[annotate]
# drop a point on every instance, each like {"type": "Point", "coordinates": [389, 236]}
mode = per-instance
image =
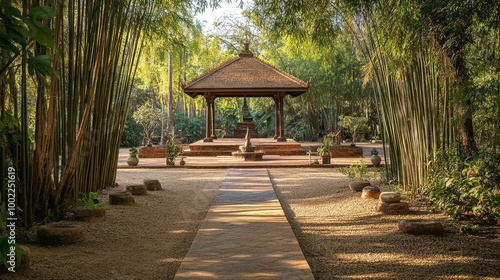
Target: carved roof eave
{"type": "Point", "coordinates": [245, 92]}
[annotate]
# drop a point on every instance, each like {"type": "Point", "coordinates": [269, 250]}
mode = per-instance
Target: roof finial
{"type": "Point", "coordinates": [246, 52]}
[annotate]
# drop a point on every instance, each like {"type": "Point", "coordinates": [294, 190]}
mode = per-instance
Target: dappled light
{"type": "Point", "coordinates": [294, 140]}
{"type": "Point", "coordinates": [343, 237]}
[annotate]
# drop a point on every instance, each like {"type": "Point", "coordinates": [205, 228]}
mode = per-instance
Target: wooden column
{"type": "Point", "coordinates": [281, 97]}
{"type": "Point", "coordinates": [209, 98]}
{"type": "Point", "coordinates": [276, 117]}
{"type": "Point", "coordinates": [213, 136]}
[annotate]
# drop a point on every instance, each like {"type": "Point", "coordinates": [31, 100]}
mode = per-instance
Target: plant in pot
{"type": "Point", "coordinates": [325, 151]}
{"type": "Point", "coordinates": [375, 158]}
{"type": "Point", "coordinates": [172, 150]}
{"type": "Point", "coordinates": [133, 160]}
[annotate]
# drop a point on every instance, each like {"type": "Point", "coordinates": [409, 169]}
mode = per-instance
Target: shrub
{"type": "Point", "coordinates": [356, 170]}
{"type": "Point", "coordinates": [465, 189]}
{"type": "Point", "coordinates": [89, 201]}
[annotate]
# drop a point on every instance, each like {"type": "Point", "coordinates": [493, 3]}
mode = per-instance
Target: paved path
{"type": "Point", "coordinates": [245, 235]}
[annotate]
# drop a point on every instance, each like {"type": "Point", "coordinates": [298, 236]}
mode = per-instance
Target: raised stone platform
{"type": "Point", "coordinates": [226, 146]}
{"type": "Point", "coordinates": [248, 156]}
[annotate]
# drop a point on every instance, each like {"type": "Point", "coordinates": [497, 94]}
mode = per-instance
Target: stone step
{"type": "Point", "coordinates": [226, 146]}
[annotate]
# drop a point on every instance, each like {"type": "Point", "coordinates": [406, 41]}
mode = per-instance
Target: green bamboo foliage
{"type": "Point", "coordinates": [412, 98]}
{"type": "Point", "coordinates": [80, 123]}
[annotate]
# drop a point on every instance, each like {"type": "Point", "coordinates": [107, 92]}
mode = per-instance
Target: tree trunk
{"type": "Point", "coordinates": [170, 101]}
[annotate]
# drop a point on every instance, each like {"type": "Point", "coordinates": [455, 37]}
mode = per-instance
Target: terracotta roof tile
{"type": "Point", "coordinates": [245, 72]}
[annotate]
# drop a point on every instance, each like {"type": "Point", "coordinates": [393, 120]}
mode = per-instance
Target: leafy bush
{"type": "Point", "coordinates": [465, 189]}
{"type": "Point", "coordinates": [132, 133]}
{"type": "Point", "coordinates": [89, 201]}
{"type": "Point", "coordinates": [191, 129]}
{"type": "Point", "coordinates": [356, 171]}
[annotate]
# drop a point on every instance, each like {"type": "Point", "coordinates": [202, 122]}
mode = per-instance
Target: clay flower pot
{"type": "Point", "coordinates": [132, 161]}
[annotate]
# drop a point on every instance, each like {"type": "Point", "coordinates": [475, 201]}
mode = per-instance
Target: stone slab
{"type": "Point", "coordinates": [396, 208]}
{"type": "Point", "coordinates": [370, 192]}
{"type": "Point", "coordinates": [390, 197]}
{"type": "Point", "coordinates": [357, 186]}
{"type": "Point", "coordinates": [423, 227]}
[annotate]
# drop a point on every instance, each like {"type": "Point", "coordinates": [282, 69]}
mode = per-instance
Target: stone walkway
{"type": "Point", "coordinates": [245, 235]}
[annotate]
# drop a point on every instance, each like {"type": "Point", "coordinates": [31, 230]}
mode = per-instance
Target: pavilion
{"type": "Point", "coordinates": [245, 76]}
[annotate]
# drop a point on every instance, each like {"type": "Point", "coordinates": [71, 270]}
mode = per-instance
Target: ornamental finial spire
{"type": "Point", "coordinates": [246, 52]}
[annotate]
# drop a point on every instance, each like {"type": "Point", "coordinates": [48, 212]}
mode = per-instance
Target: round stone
{"type": "Point", "coordinates": [370, 192]}
{"type": "Point", "coordinates": [421, 227]}
{"type": "Point", "coordinates": [397, 208]}
{"type": "Point", "coordinates": [137, 189]}
{"type": "Point", "coordinates": [390, 197]}
{"type": "Point", "coordinates": [85, 214]}
{"type": "Point", "coordinates": [121, 198]}
{"type": "Point", "coordinates": [357, 186]}
{"type": "Point", "coordinates": [152, 185]}
{"type": "Point", "coordinates": [60, 234]}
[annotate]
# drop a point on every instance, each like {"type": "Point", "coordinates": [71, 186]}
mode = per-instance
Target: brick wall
{"type": "Point", "coordinates": [346, 152]}
{"type": "Point", "coordinates": [152, 152]}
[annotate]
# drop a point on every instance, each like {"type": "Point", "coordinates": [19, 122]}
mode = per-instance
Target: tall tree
{"type": "Point", "coordinates": [170, 100]}
{"type": "Point", "coordinates": [451, 25]}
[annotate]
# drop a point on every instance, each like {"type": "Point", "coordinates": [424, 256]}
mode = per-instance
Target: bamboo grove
{"type": "Point", "coordinates": [74, 72]}
{"type": "Point", "coordinates": [420, 59]}
{"type": "Point", "coordinates": [76, 82]}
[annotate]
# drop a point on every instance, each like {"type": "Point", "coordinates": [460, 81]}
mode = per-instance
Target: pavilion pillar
{"type": "Point", "coordinates": [276, 117]}
{"type": "Point", "coordinates": [209, 98]}
{"type": "Point", "coordinates": [281, 97]}
{"type": "Point", "coordinates": [213, 136]}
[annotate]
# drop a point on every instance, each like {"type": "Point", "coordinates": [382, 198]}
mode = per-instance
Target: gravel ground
{"type": "Point", "coordinates": [341, 235]}
{"type": "Point", "coordinates": [146, 241]}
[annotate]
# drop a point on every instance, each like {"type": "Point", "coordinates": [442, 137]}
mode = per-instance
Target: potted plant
{"type": "Point", "coordinates": [133, 160]}
{"type": "Point", "coordinates": [375, 158]}
{"type": "Point", "coordinates": [325, 151]}
{"type": "Point", "coordinates": [172, 150]}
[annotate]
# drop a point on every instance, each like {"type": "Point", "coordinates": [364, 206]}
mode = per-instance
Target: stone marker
{"type": "Point", "coordinates": [55, 234]}
{"type": "Point", "coordinates": [370, 192]}
{"type": "Point", "coordinates": [121, 198]}
{"type": "Point", "coordinates": [390, 197]}
{"type": "Point", "coordinates": [83, 213]}
{"type": "Point", "coordinates": [396, 208]}
{"type": "Point", "coordinates": [152, 185]}
{"type": "Point", "coordinates": [25, 257]}
{"type": "Point", "coordinates": [139, 189]}
{"type": "Point", "coordinates": [357, 186]}
{"type": "Point", "coordinates": [421, 227]}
